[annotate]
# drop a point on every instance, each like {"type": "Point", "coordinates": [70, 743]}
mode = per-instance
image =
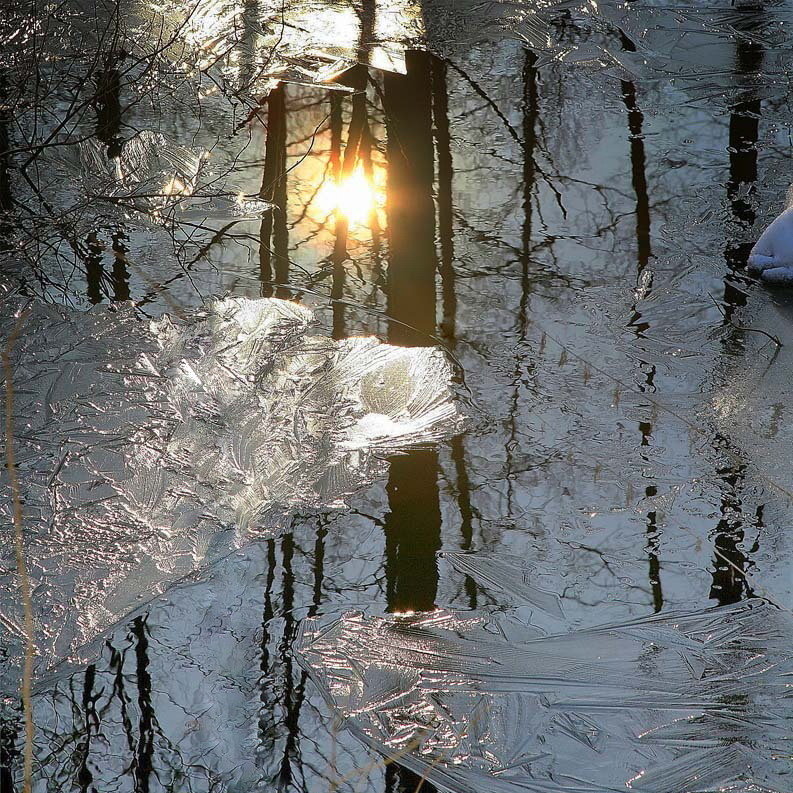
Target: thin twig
{"type": "Point", "coordinates": [773, 338]}
{"type": "Point", "coordinates": [382, 761]}
{"type": "Point", "coordinates": [22, 572]}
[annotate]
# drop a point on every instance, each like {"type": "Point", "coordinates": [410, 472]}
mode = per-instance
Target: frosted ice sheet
{"type": "Point", "coordinates": [150, 177]}
{"type": "Point", "coordinates": [314, 41]}
{"type": "Point", "coordinates": [145, 451]}
{"type": "Point", "coordinates": [683, 702]}
{"type": "Point", "coordinates": [505, 575]}
{"type": "Point", "coordinates": [248, 47]}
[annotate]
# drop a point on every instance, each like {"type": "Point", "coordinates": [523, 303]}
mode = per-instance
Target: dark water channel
{"type": "Point", "coordinates": [564, 201]}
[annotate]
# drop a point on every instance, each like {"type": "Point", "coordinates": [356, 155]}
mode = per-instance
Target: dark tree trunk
{"type": "Point", "coordinates": [274, 234]}
{"type": "Point", "coordinates": [413, 524]}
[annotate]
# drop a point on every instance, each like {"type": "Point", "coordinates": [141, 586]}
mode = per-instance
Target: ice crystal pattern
{"type": "Point", "coordinates": [145, 451]}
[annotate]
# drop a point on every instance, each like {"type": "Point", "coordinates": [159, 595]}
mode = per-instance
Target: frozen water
{"type": "Point", "coordinates": [585, 211]}
{"type": "Point", "coordinates": [147, 450]}
{"type": "Point", "coordinates": [679, 702]}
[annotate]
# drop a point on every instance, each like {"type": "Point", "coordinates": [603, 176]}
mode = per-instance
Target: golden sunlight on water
{"type": "Point", "coordinates": [175, 186]}
{"type": "Point", "coordinates": [354, 197]}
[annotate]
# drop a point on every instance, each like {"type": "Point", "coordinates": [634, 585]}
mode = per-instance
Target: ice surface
{"type": "Point", "coordinates": [150, 178]}
{"type": "Point", "coordinates": [509, 576]}
{"type": "Point", "coordinates": [146, 451]}
{"type": "Point", "coordinates": [248, 47]}
{"type": "Point", "coordinates": [575, 470]}
{"type": "Point", "coordinates": [679, 702]}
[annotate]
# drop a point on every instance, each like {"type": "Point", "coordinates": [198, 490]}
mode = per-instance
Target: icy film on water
{"type": "Point", "coordinates": [145, 450]}
{"type": "Point", "coordinates": [483, 702]}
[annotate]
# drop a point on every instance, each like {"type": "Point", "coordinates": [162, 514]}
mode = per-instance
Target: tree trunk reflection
{"type": "Point", "coordinates": [274, 234]}
{"type": "Point", "coordinates": [413, 524]}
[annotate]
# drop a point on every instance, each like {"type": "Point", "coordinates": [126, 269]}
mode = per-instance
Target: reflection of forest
{"type": "Point", "coordinates": [396, 130]}
{"type": "Point", "coordinates": [500, 199]}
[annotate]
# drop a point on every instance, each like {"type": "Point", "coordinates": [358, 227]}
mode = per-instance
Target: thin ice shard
{"type": "Point", "coordinates": [681, 702]}
{"type": "Point", "coordinates": [505, 575]}
{"type": "Point", "coordinates": [147, 451]}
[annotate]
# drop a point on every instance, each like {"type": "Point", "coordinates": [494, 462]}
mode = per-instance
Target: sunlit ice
{"type": "Point", "coordinates": [353, 197]}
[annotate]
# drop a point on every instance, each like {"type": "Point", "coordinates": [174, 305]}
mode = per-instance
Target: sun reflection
{"type": "Point", "coordinates": [175, 186]}
{"type": "Point", "coordinates": [354, 197]}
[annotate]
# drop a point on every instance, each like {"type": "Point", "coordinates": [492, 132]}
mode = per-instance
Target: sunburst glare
{"type": "Point", "coordinates": [354, 197]}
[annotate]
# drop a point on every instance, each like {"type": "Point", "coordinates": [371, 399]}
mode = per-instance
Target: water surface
{"type": "Point", "coordinates": [561, 196]}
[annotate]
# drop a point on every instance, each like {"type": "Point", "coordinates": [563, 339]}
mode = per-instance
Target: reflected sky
{"type": "Point", "coordinates": [252, 44]}
{"type": "Point", "coordinates": [571, 222]}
